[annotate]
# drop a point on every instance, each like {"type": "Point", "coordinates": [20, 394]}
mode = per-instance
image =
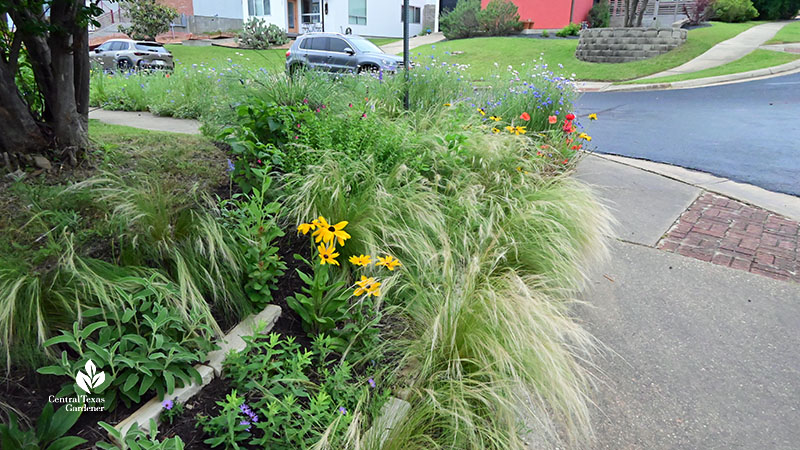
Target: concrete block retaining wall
{"type": "Point", "coordinates": [616, 45]}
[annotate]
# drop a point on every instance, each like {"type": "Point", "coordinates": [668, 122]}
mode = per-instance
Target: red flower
{"type": "Point", "coordinates": [552, 119]}
{"type": "Point", "coordinates": [525, 116]}
{"type": "Point", "coordinates": [543, 146]}
{"type": "Point", "coordinates": [364, 116]}
{"type": "Point", "coordinates": [259, 161]}
{"type": "Point", "coordinates": [570, 116]}
{"type": "Point", "coordinates": [350, 105]}
{"type": "Point", "coordinates": [568, 126]}
{"type": "Point", "coordinates": [575, 147]}
{"type": "Point", "coordinates": [565, 161]}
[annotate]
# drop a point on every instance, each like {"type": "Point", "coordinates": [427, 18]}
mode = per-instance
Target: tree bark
{"type": "Point", "coordinates": [21, 133]}
{"type": "Point", "coordinates": [641, 13]}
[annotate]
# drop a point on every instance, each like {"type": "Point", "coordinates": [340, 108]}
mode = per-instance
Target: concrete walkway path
{"type": "Point", "coordinates": [396, 48]}
{"type": "Point", "coordinates": [699, 355]}
{"type": "Point", "coordinates": [146, 121]}
{"type": "Point", "coordinates": [727, 51]}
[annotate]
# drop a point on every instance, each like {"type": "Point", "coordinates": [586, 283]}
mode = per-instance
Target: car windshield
{"type": "Point", "coordinates": [150, 47]}
{"type": "Point", "coordinates": [364, 45]}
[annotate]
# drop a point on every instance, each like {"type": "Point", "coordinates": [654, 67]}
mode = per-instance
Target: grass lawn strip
{"type": "Point", "coordinates": [482, 54]}
{"type": "Point", "coordinates": [790, 33]}
{"type": "Point", "coordinates": [758, 59]}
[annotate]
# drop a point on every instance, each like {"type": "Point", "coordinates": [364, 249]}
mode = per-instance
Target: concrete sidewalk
{"type": "Point", "coordinates": [726, 51]}
{"type": "Point", "coordinates": [146, 121]}
{"type": "Point", "coordinates": [700, 355]}
{"type": "Point", "coordinates": [396, 48]}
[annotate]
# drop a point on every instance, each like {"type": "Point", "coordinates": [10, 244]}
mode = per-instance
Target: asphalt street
{"type": "Point", "coordinates": [747, 132]}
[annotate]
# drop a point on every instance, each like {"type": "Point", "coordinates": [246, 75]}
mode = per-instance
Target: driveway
{"type": "Point", "coordinates": [747, 132]}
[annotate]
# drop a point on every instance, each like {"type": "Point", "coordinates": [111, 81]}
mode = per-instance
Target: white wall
{"type": "Point", "coordinates": [383, 18]}
{"type": "Point", "coordinates": [277, 13]}
{"type": "Point", "coordinates": [221, 8]}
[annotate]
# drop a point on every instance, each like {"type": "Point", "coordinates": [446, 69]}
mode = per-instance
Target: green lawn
{"type": "Point", "coordinates": [789, 33]}
{"type": "Point", "coordinates": [758, 59]}
{"type": "Point", "coordinates": [483, 53]}
{"type": "Point", "coordinates": [217, 57]}
{"type": "Point", "coordinates": [383, 41]}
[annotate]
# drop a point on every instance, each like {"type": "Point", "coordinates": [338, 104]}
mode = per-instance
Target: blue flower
{"type": "Point", "coordinates": [371, 383]}
{"type": "Point", "coordinates": [231, 168]}
{"type": "Point", "coordinates": [167, 404]}
{"type": "Point", "coordinates": [343, 410]}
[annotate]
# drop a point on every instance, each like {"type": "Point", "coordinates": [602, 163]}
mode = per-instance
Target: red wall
{"type": "Point", "coordinates": [550, 13]}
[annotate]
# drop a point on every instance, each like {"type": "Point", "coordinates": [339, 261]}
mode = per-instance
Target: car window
{"type": "Point", "coordinates": [337, 45]}
{"type": "Point", "coordinates": [117, 46]}
{"type": "Point", "coordinates": [150, 47]}
{"type": "Point", "coordinates": [364, 45]}
{"type": "Point", "coordinates": [305, 44]}
{"type": "Point", "coordinates": [319, 43]}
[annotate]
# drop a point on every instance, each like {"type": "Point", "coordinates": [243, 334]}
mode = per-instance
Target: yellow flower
{"type": "Point", "coordinates": [592, 116]}
{"type": "Point", "coordinates": [510, 129]}
{"type": "Point", "coordinates": [495, 130]}
{"type": "Point", "coordinates": [368, 286]}
{"type": "Point", "coordinates": [327, 255]}
{"type": "Point", "coordinates": [361, 260]}
{"type": "Point", "coordinates": [585, 136]}
{"type": "Point", "coordinates": [495, 118]}
{"type": "Point", "coordinates": [519, 130]}
{"type": "Point", "coordinates": [480, 110]}
{"type": "Point", "coordinates": [390, 262]}
{"type": "Point", "coordinates": [327, 232]}
{"type": "Point", "coordinates": [519, 169]}
{"type": "Point", "coordinates": [447, 104]}
{"type": "Point", "coordinates": [306, 227]}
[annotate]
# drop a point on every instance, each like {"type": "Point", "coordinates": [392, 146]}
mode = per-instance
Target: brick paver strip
{"type": "Point", "coordinates": [723, 231]}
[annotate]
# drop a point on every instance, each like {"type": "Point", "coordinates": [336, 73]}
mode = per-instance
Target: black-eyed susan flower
{"type": "Point", "coordinates": [592, 116]}
{"type": "Point", "coordinates": [361, 260]}
{"type": "Point", "coordinates": [510, 128]}
{"type": "Point", "coordinates": [388, 261]}
{"type": "Point", "coordinates": [306, 227]}
{"type": "Point", "coordinates": [369, 286]}
{"type": "Point", "coordinates": [448, 105]}
{"type": "Point", "coordinates": [327, 254]}
{"type": "Point", "coordinates": [327, 233]}
{"type": "Point", "coordinates": [495, 118]}
{"type": "Point", "coordinates": [481, 111]}
{"type": "Point", "coordinates": [495, 130]}
{"type": "Point", "coordinates": [519, 130]}
{"type": "Point", "coordinates": [585, 137]}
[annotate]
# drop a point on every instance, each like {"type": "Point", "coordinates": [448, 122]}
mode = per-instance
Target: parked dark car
{"type": "Point", "coordinates": [336, 52]}
{"type": "Point", "coordinates": [126, 54]}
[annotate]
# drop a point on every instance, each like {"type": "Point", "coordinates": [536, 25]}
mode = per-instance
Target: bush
{"type": "Point", "coordinates": [545, 33]}
{"type": "Point", "coordinates": [600, 15]}
{"type": "Point", "coordinates": [734, 10]}
{"type": "Point", "coordinates": [257, 34]}
{"type": "Point", "coordinates": [462, 21]}
{"type": "Point", "coordinates": [500, 18]}
{"type": "Point", "coordinates": [776, 9]}
{"type": "Point", "coordinates": [148, 19]}
{"type": "Point", "coordinates": [570, 30]}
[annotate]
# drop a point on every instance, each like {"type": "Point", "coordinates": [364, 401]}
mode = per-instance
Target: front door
{"type": "Point", "coordinates": [291, 7]}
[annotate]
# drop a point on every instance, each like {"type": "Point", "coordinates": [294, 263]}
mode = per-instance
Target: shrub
{"type": "Point", "coordinates": [545, 33]}
{"type": "Point", "coordinates": [600, 15]}
{"type": "Point", "coordinates": [699, 12]}
{"type": "Point", "coordinates": [734, 10]}
{"type": "Point", "coordinates": [462, 21]}
{"type": "Point", "coordinates": [570, 30]}
{"type": "Point", "coordinates": [260, 35]}
{"type": "Point", "coordinates": [499, 18]}
{"type": "Point", "coordinates": [148, 19]}
{"type": "Point", "coordinates": [776, 9]}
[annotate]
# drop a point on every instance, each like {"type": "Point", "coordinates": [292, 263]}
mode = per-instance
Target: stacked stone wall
{"type": "Point", "coordinates": [617, 45]}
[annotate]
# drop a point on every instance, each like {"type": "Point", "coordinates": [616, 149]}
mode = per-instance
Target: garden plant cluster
{"type": "Point", "coordinates": [435, 254]}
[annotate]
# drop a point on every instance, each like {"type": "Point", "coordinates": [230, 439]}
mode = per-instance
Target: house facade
{"type": "Point", "coordinates": [375, 18]}
{"type": "Point", "coordinates": [206, 16]}
{"type": "Point", "coordinates": [550, 14]}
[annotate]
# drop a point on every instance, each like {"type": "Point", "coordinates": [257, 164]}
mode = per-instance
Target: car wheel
{"type": "Point", "coordinates": [124, 64]}
{"type": "Point", "coordinates": [369, 68]}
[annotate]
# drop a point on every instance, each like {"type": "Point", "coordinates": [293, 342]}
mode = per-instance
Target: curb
{"type": "Point", "coordinates": [710, 81]}
{"type": "Point", "coordinates": [212, 369]}
{"type": "Point", "coordinates": [783, 204]}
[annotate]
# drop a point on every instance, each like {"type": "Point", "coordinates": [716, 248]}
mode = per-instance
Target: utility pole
{"type": "Point", "coordinates": [405, 54]}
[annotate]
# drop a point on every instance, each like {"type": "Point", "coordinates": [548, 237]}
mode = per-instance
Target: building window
{"type": "Point", "coordinates": [414, 12]}
{"type": "Point", "coordinates": [358, 12]}
{"type": "Point", "coordinates": [258, 7]}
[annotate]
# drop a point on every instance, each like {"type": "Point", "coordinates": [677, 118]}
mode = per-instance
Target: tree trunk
{"type": "Point", "coordinates": [21, 133]}
{"type": "Point", "coordinates": [641, 13]}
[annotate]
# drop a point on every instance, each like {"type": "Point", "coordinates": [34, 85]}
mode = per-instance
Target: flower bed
{"type": "Point", "coordinates": [428, 254]}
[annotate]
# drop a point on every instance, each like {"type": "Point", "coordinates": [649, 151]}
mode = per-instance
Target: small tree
{"type": "Point", "coordinates": [699, 12]}
{"type": "Point", "coordinates": [776, 9]}
{"type": "Point", "coordinates": [462, 21]}
{"type": "Point", "coordinates": [500, 18]}
{"type": "Point", "coordinates": [634, 12]}
{"type": "Point", "coordinates": [148, 19]}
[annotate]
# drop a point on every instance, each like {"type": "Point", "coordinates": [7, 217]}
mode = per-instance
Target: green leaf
{"type": "Point", "coordinates": [146, 383]}
{"type": "Point", "coordinates": [66, 443]}
{"type": "Point", "coordinates": [52, 370]}
{"type": "Point", "coordinates": [63, 339]}
{"type": "Point", "coordinates": [170, 380]}
{"type": "Point", "coordinates": [62, 421]}
{"type": "Point", "coordinates": [130, 382]}
{"type": "Point", "coordinates": [91, 328]}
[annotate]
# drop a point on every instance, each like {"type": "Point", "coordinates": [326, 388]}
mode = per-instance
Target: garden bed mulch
{"type": "Point", "coordinates": [28, 392]}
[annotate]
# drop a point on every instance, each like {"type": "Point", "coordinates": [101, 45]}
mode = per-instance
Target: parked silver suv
{"type": "Point", "coordinates": [336, 52]}
{"type": "Point", "coordinates": [126, 54]}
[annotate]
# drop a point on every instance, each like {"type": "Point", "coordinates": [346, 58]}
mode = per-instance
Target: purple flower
{"type": "Point", "coordinates": [167, 404]}
{"type": "Point", "coordinates": [371, 382]}
{"type": "Point", "coordinates": [231, 167]}
{"type": "Point", "coordinates": [343, 410]}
